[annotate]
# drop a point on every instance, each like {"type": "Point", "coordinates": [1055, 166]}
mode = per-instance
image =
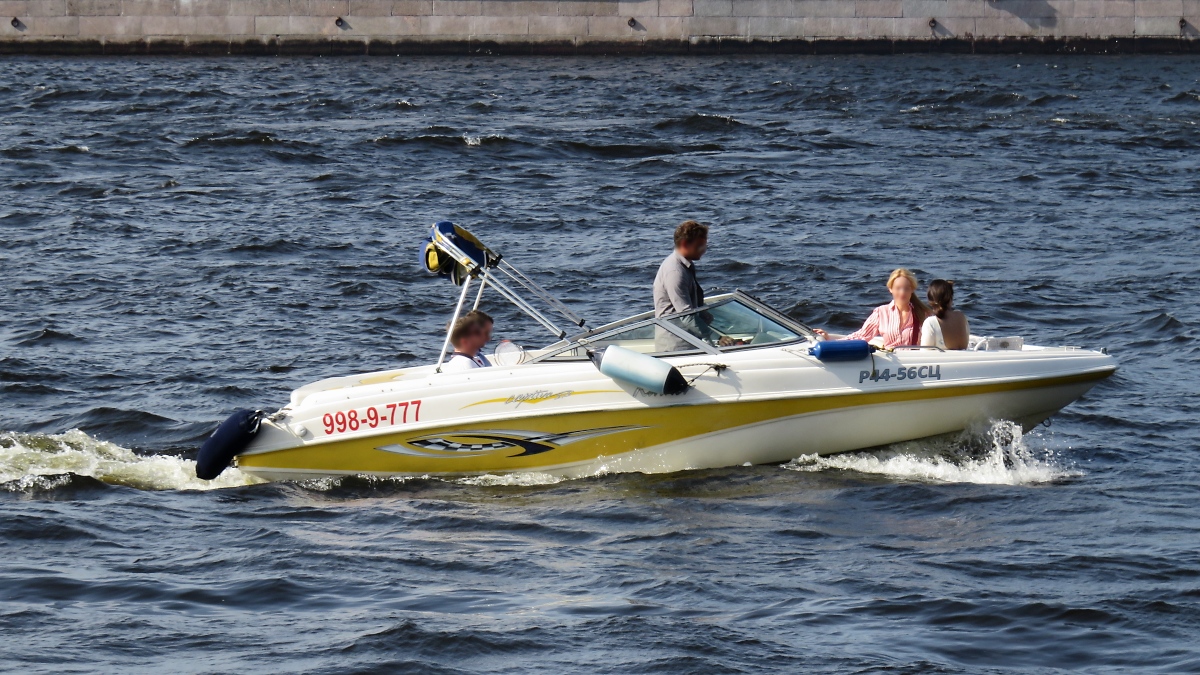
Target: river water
{"type": "Point", "coordinates": [180, 238]}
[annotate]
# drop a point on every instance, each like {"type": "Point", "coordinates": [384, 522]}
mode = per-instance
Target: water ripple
{"type": "Point", "coordinates": [183, 237]}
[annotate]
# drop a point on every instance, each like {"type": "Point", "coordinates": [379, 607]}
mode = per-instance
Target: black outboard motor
{"type": "Point", "coordinates": [227, 442]}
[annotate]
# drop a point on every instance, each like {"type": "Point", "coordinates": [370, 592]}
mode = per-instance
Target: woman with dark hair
{"type": "Point", "coordinates": [946, 328]}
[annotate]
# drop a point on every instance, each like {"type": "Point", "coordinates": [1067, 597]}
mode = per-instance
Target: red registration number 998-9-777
{"type": "Point", "coordinates": [351, 420]}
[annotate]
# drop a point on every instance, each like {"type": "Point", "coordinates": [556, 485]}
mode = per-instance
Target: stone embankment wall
{"type": "Point", "coordinates": [401, 27]}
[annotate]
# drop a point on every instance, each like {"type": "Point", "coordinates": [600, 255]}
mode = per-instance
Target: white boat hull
{"type": "Point", "coordinates": [827, 411]}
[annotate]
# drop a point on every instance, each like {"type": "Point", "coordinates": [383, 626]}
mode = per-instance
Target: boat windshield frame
{"type": "Point", "coordinates": [582, 341]}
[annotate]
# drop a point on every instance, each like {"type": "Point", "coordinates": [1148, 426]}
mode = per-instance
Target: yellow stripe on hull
{"type": "Point", "coordinates": [557, 440]}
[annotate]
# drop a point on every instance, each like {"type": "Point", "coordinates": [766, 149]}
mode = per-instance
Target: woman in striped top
{"type": "Point", "coordinates": [898, 322]}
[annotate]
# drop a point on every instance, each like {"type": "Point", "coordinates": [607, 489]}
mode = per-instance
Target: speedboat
{"type": "Point", "coordinates": [733, 383]}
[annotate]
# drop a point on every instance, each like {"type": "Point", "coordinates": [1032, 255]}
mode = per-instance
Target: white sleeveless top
{"type": "Point", "coordinates": [931, 333]}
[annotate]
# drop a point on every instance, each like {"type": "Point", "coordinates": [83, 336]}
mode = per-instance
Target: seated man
{"type": "Point", "coordinates": [469, 335]}
{"type": "Point", "coordinates": [486, 323]}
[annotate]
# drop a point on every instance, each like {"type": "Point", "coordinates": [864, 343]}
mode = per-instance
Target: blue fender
{"type": "Point", "coordinates": [227, 442]}
{"type": "Point", "coordinates": [640, 370]}
{"type": "Point", "coordinates": [842, 350]}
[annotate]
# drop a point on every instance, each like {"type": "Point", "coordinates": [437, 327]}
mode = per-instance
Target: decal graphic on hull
{"type": "Point", "coordinates": [459, 444]}
{"type": "Point", "coordinates": [540, 396]}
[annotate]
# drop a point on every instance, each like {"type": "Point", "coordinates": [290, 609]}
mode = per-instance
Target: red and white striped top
{"type": "Point", "coordinates": [885, 322]}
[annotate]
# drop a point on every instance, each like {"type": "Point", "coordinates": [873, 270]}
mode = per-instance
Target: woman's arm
{"type": "Point", "coordinates": [870, 328]}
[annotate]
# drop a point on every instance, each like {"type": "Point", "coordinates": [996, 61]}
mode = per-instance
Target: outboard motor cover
{"type": "Point", "coordinates": [227, 442]}
{"type": "Point", "coordinates": [640, 370]}
{"type": "Point", "coordinates": [841, 350]}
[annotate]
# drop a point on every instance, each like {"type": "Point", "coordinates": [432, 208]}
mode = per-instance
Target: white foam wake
{"type": "Point", "coordinates": [999, 455]}
{"type": "Point", "coordinates": [529, 479]}
{"type": "Point", "coordinates": [514, 479]}
{"type": "Point", "coordinates": [40, 462]}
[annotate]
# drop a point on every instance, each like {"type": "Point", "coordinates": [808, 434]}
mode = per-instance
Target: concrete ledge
{"type": "Point", "coordinates": [319, 45]}
{"type": "Point", "coordinates": [418, 46]}
{"type": "Point", "coordinates": [52, 47]}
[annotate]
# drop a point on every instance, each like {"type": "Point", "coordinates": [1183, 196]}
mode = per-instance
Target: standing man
{"type": "Point", "coordinates": [676, 288]}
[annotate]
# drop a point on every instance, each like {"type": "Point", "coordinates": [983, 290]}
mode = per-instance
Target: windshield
{"type": "Point", "coordinates": [645, 338]}
{"type": "Point", "coordinates": [732, 321]}
{"type": "Point", "coordinates": [733, 324]}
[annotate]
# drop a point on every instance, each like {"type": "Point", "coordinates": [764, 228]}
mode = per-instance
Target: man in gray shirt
{"type": "Point", "coordinates": [676, 288]}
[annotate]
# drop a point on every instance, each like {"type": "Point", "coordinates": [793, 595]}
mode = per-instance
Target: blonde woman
{"type": "Point", "coordinates": [899, 322]}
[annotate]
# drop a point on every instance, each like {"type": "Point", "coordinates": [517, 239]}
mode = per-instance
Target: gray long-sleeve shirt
{"type": "Point", "coordinates": [675, 286]}
{"type": "Point", "coordinates": [676, 290]}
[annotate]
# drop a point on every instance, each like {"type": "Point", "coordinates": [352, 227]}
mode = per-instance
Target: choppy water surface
{"type": "Point", "coordinates": [182, 237]}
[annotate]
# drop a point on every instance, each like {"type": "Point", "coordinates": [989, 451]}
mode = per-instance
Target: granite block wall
{"type": "Point", "coordinates": [403, 27]}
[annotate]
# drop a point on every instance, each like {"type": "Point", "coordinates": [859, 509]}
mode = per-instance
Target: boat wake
{"type": "Point", "coordinates": [519, 479]}
{"type": "Point", "coordinates": [997, 455]}
{"type": "Point", "coordinates": [39, 462]}
{"type": "Point", "coordinates": [531, 479]}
